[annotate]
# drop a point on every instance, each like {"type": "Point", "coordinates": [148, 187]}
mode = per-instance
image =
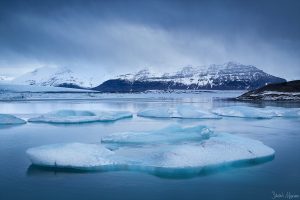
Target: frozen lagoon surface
{"type": "Point", "coordinates": [21, 180]}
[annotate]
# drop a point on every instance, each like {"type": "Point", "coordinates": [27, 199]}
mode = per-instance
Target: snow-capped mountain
{"type": "Point", "coordinates": [5, 78]}
{"type": "Point", "coordinates": [228, 76]}
{"type": "Point", "coordinates": [58, 77]}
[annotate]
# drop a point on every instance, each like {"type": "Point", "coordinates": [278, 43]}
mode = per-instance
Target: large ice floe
{"type": "Point", "coordinates": [80, 116]}
{"type": "Point", "coordinates": [171, 150]}
{"type": "Point", "coordinates": [181, 111]}
{"type": "Point", "coordinates": [258, 113]}
{"type": "Point", "coordinates": [6, 119]}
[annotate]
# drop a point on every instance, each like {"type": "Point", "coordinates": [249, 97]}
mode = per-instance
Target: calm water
{"type": "Point", "coordinates": [20, 180]}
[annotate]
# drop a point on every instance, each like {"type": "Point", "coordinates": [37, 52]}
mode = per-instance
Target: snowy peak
{"type": "Point", "coordinates": [143, 74]}
{"type": "Point", "coordinates": [188, 71]}
{"type": "Point", "coordinates": [47, 76]}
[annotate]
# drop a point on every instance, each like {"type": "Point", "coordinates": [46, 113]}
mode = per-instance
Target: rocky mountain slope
{"type": "Point", "coordinates": [279, 91]}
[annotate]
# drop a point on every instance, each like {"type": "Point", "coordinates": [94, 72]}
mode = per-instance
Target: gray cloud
{"type": "Point", "coordinates": [112, 37]}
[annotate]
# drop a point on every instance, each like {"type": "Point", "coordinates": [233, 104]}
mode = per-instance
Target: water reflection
{"type": "Point", "coordinates": [2, 126]}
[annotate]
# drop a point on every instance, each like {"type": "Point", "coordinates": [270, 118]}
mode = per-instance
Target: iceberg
{"type": "Point", "coordinates": [80, 116]}
{"type": "Point", "coordinates": [6, 119]}
{"type": "Point", "coordinates": [155, 155]}
{"type": "Point", "coordinates": [182, 111]}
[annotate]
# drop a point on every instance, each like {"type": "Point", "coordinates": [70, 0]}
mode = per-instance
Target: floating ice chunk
{"type": "Point", "coordinates": [170, 135]}
{"type": "Point", "coordinates": [75, 116]}
{"type": "Point", "coordinates": [259, 113]}
{"type": "Point", "coordinates": [217, 150]}
{"type": "Point", "coordinates": [6, 119]}
{"type": "Point", "coordinates": [191, 112]}
{"type": "Point", "coordinates": [291, 113]}
{"type": "Point", "coordinates": [182, 111]}
{"type": "Point", "coordinates": [244, 112]}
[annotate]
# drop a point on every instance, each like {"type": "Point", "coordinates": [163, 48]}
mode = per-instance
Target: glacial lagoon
{"type": "Point", "coordinates": [258, 179]}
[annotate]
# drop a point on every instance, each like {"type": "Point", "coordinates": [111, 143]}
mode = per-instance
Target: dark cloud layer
{"type": "Point", "coordinates": [110, 37]}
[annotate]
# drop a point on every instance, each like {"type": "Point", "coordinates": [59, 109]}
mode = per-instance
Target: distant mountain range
{"type": "Point", "coordinates": [57, 77]}
{"type": "Point", "coordinates": [228, 76]}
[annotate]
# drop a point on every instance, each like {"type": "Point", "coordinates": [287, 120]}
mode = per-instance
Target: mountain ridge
{"type": "Point", "coordinates": [228, 76]}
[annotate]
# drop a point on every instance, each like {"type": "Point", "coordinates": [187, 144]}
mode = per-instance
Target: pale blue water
{"type": "Point", "coordinates": [20, 180]}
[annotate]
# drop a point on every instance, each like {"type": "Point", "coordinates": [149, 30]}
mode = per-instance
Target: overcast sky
{"type": "Point", "coordinates": [115, 37]}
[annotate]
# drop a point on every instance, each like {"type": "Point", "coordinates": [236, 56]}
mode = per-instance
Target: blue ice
{"type": "Point", "coordinates": [7, 119]}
